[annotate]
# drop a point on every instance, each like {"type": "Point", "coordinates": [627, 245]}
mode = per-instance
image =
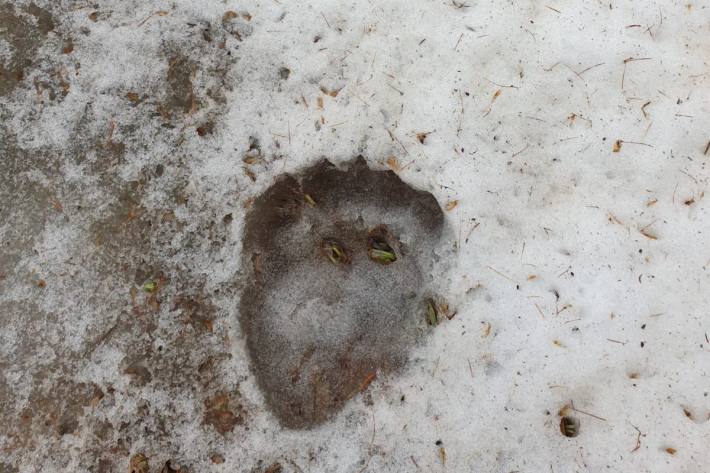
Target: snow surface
{"type": "Point", "coordinates": [573, 136]}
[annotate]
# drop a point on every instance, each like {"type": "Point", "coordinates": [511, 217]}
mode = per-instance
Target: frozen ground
{"type": "Point", "coordinates": [572, 136]}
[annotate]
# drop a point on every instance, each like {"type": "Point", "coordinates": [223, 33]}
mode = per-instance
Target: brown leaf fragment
{"type": "Point", "coordinates": [68, 46]}
{"type": "Point", "coordinates": [367, 381]}
{"type": "Point", "coordinates": [648, 234]}
{"type": "Point", "coordinates": [442, 455]}
{"type": "Point", "coordinates": [421, 137]}
{"type": "Point", "coordinates": [206, 128]}
{"type": "Point", "coordinates": [331, 92]}
{"type": "Point", "coordinates": [617, 146]}
{"type": "Point", "coordinates": [451, 205]}
{"type": "Point", "coordinates": [687, 413]}
{"type": "Point", "coordinates": [138, 464]}
{"type": "Point", "coordinates": [256, 261]}
{"type": "Point", "coordinates": [250, 174]}
{"type": "Point", "coordinates": [57, 205]}
{"type": "Point", "coordinates": [229, 15]}
{"type": "Point", "coordinates": [274, 468]}
{"type": "Point", "coordinates": [220, 415]}
{"type": "Point", "coordinates": [251, 159]}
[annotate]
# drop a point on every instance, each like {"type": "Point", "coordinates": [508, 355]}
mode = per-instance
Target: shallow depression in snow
{"type": "Point", "coordinates": [335, 294]}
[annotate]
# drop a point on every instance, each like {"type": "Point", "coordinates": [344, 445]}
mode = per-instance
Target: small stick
{"type": "Point", "coordinates": [493, 99]}
{"type": "Point", "coordinates": [591, 67]}
{"type": "Point", "coordinates": [638, 438]}
{"type": "Point", "coordinates": [694, 179]}
{"type": "Point", "coordinates": [461, 116]}
{"type": "Point", "coordinates": [159, 12]}
{"type": "Point", "coordinates": [471, 231]}
{"type": "Point", "coordinates": [111, 127]}
{"type": "Point", "coordinates": [326, 19]}
{"type": "Point", "coordinates": [372, 441]}
{"type": "Point", "coordinates": [644, 228]}
{"type": "Point", "coordinates": [501, 274]}
{"type": "Point", "coordinates": [511, 86]}
{"type": "Point", "coordinates": [539, 310]}
{"type": "Point", "coordinates": [707, 148]}
{"type": "Point", "coordinates": [628, 60]}
{"type": "Point", "coordinates": [414, 461]}
{"type": "Point", "coordinates": [585, 413]}
{"type": "Point", "coordinates": [553, 9]}
{"type": "Point", "coordinates": [457, 42]}
{"type": "Point", "coordinates": [575, 72]}
{"type": "Point", "coordinates": [395, 88]}
{"type": "Point", "coordinates": [635, 143]}
{"type": "Point", "coordinates": [395, 139]}
{"type": "Point", "coordinates": [526, 147]}
{"type": "Point", "coordinates": [458, 245]}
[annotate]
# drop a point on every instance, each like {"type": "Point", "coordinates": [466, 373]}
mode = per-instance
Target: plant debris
{"type": "Point", "coordinates": [377, 247]}
{"type": "Point", "coordinates": [368, 380]}
{"type": "Point", "coordinates": [335, 251]}
{"type": "Point", "coordinates": [432, 315]}
{"type": "Point", "coordinates": [150, 286]}
{"type": "Point", "coordinates": [309, 200]}
{"type": "Point", "coordinates": [274, 468]}
{"type": "Point", "coordinates": [422, 136]}
{"type": "Point", "coordinates": [167, 468]}
{"type": "Point", "coordinates": [220, 415]}
{"type": "Point", "coordinates": [138, 464]}
{"type": "Point", "coordinates": [569, 426]}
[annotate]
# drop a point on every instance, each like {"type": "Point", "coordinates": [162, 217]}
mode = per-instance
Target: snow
{"type": "Point", "coordinates": [572, 135]}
